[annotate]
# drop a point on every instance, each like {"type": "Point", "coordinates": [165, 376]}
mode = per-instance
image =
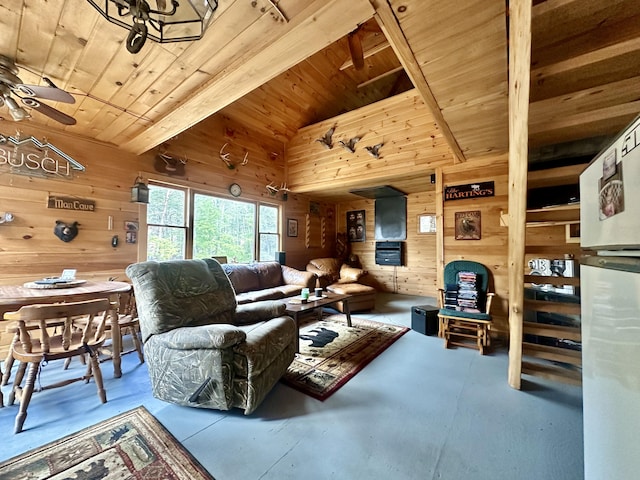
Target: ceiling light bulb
{"type": "Point", "coordinates": [17, 112]}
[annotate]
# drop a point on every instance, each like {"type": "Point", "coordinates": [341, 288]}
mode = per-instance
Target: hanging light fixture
{"type": "Point", "coordinates": [181, 21]}
{"type": "Point", "coordinates": [139, 191]}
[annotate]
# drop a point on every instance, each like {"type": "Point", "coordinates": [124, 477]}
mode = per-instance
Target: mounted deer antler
{"type": "Point", "coordinates": [165, 163]}
{"type": "Point", "coordinates": [272, 189]}
{"type": "Point", "coordinates": [225, 158]}
{"type": "Point", "coordinates": [285, 191]}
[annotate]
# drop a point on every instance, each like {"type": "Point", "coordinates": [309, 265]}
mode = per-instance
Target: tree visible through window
{"type": "Point", "coordinates": [243, 231]}
{"type": "Point", "coordinates": [166, 223]}
{"type": "Point", "coordinates": [223, 227]}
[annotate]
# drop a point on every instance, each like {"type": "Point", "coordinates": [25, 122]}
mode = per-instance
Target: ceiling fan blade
{"type": "Point", "coordinates": [355, 49]}
{"type": "Point", "coordinates": [50, 112]}
{"type": "Point", "coordinates": [49, 93]}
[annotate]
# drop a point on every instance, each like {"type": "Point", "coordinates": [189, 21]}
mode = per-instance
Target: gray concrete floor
{"type": "Point", "coordinates": [417, 411]}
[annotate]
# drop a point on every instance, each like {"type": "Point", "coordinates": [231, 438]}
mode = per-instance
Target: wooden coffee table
{"type": "Point", "coordinates": [294, 308]}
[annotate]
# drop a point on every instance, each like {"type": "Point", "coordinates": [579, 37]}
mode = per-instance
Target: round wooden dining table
{"type": "Point", "coordinates": [12, 297]}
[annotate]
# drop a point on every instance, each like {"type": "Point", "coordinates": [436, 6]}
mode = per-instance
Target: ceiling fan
{"type": "Point", "coordinates": [11, 86]}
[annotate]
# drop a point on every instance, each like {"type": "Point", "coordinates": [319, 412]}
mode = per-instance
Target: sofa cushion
{"type": "Point", "coordinates": [269, 274]}
{"type": "Point", "coordinates": [299, 278]}
{"type": "Point", "coordinates": [328, 268]}
{"type": "Point", "coordinates": [351, 289]}
{"type": "Point", "coordinates": [289, 290]}
{"type": "Point", "coordinates": [350, 275]}
{"type": "Point", "coordinates": [260, 295]}
{"type": "Point", "coordinates": [243, 277]}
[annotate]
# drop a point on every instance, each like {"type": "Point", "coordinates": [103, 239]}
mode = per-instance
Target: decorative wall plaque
{"type": "Point", "coordinates": [66, 203]}
{"type": "Point", "coordinates": [468, 225]}
{"type": "Point", "coordinates": [472, 190]}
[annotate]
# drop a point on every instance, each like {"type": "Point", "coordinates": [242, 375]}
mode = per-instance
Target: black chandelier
{"type": "Point", "coordinates": [182, 21]}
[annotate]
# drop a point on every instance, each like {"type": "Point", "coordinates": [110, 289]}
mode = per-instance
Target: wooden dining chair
{"type": "Point", "coordinates": [36, 345]}
{"type": "Point", "coordinates": [126, 314]}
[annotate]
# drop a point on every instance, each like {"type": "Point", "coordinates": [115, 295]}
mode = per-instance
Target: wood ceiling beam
{"type": "Point", "coordinates": [370, 46]}
{"type": "Point", "coordinates": [321, 24]}
{"type": "Point", "coordinates": [390, 27]}
{"type": "Point", "coordinates": [551, 7]}
{"type": "Point", "coordinates": [589, 58]}
{"type": "Point", "coordinates": [382, 75]}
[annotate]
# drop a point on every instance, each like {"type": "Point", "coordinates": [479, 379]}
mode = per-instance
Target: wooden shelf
{"type": "Point", "coordinates": [553, 372]}
{"type": "Point", "coordinates": [559, 239]}
{"type": "Point", "coordinates": [553, 177]}
{"type": "Point", "coordinates": [554, 354]}
{"type": "Point", "coordinates": [556, 281]}
{"type": "Point", "coordinates": [552, 307]}
{"type": "Point", "coordinates": [552, 331]}
{"type": "Point", "coordinates": [556, 215]}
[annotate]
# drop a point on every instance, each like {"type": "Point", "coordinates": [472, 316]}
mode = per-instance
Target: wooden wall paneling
{"type": "Point", "coordinates": [32, 250]}
{"type": "Point", "coordinates": [298, 253]}
{"type": "Point", "coordinates": [491, 250]}
{"type": "Point", "coordinates": [412, 147]}
{"type": "Point", "coordinates": [109, 175]}
{"type": "Point", "coordinates": [418, 275]}
{"type": "Point", "coordinates": [519, 81]}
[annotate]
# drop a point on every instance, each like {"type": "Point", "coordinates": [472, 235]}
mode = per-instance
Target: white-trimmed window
{"type": "Point", "coordinates": [183, 223]}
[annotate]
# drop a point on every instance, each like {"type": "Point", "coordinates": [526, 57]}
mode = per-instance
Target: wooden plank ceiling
{"type": "Point", "coordinates": [277, 77]}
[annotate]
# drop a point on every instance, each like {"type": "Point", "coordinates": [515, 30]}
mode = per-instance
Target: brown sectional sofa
{"type": "Point", "coordinates": [337, 277]}
{"type": "Point", "coordinates": [266, 281]}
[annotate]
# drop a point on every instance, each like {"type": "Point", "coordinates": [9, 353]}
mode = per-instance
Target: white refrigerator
{"type": "Point", "coordinates": [610, 298]}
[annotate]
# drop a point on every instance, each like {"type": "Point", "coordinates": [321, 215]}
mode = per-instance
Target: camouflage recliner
{"type": "Point", "coordinates": [201, 348]}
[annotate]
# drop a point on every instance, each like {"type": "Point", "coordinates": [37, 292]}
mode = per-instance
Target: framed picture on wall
{"type": "Point", "coordinates": [292, 227]}
{"type": "Point", "coordinates": [468, 225]}
{"type": "Point", "coordinates": [426, 223]}
{"type": "Point", "coordinates": [356, 226]}
{"type": "Point", "coordinates": [131, 226]}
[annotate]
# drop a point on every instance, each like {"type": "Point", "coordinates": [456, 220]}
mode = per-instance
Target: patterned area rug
{"type": "Point", "coordinates": [132, 445]}
{"type": "Point", "coordinates": [331, 353]}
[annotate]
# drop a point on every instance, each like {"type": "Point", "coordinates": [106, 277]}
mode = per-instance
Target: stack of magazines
{"type": "Point", "coordinates": [467, 292]}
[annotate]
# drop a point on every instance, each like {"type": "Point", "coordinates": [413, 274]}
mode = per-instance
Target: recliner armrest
{"type": "Point", "coordinates": [213, 336]}
{"type": "Point", "coordinates": [255, 312]}
{"type": "Point", "coordinates": [292, 276]}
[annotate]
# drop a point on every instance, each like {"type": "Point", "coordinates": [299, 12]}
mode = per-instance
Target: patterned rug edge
{"type": "Point", "coordinates": [147, 418]}
{"type": "Point", "coordinates": [326, 394]}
